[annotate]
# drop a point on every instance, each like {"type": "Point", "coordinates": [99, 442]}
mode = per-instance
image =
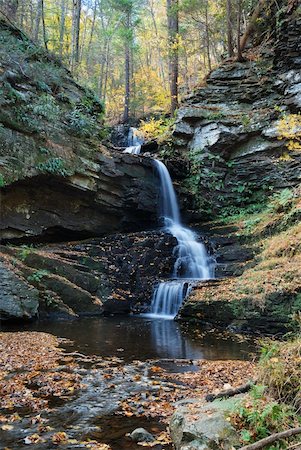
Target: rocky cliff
{"type": "Point", "coordinates": [231, 134]}
{"type": "Point", "coordinates": [114, 274]}
{"type": "Point", "coordinates": [60, 183]}
{"type": "Point", "coordinates": [237, 138]}
{"type": "Point", "coordinates": [51, 154]}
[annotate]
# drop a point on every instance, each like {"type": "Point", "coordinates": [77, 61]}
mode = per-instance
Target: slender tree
{"type": "Point", "coordinates": [62, 27]}
{"type": "Point", "coordinates": [229, 29]}
{"type": "Point", "coordinates": [173, 47]}
{"type": "Point", "coordinates": [37, 21]}
{"type": "Point", "coordinates": [257, 10]}
{"type": "Point", "coordinates": [207, 36]}
{"type": "Point", "coordinates": [75, 33]}
{"type": "Point", "coordinates": [44, 26]}
{"type": "Point", "coordinates": [239, 51]}
{"type": "Point", "coordinates": [127, 66]}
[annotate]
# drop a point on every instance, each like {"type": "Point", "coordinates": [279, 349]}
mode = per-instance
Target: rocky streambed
{"type": "Point", "coordinates": [60, 392]}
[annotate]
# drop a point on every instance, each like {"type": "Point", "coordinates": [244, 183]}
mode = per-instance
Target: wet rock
{"type": "Point", "coordinates": [115, 274]}
{"type": "Point", "coordinates": [118, 193]}
{"type": "Point", "coordinates": [141, 435]}
{"type": "Point", "coordinates": [202, 427]}
{"type": "Point", "coordinates": [18, 300]}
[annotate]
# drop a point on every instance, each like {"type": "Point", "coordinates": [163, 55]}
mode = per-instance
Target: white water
{"type": "Point", "coordinates": [192, 263]}
{"type": "Point", "coordinates": [135, 141]}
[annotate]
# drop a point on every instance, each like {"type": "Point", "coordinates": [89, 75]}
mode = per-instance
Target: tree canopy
{"type": "Point", "coordinates": [138, 56]}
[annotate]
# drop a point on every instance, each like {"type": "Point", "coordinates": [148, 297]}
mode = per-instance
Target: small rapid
{"type": "Point", "coordinates": [135, 141]}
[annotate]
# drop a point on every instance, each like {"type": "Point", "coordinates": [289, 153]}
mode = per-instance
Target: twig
{"type": "Point", "coordinates": [296, 446]}
{"type": "Point", "coordinates": [270, 439]}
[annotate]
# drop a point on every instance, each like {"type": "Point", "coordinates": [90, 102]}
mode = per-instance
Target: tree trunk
{"type": "Point", "coordinates": [62, 27]}
{"type": "Point", "coordinates": [239, 51]}
{"type": "Point", "coordinates": [252, 23]}
{"type": "Point", "coordinates": [104, 96]}
{"type": "Point", "coordinates": [37, 21]}
{"type": "Point", "coordinates": [161, 65]}
{"type": "Point", "coordinates": [91, 34]}
{"type": "Point", "coordinates": [83, 39]}
{"type": "Point", "coordinates": [127, 61]}
{"type": "Point", "coordinates": [273, 438]}
{"type": "Point", "coordinates": [22, 15]}
{"type": "Point", "coordinates": [43, 25]}
{"type": "Point", "coordinates": [229, 29]}
{"type": "Point", "coordinates": [173, 31]}
{"type": "Point", "coordinates": [76, 12]}
{"type": "Point", "coordinates": [207, 38]}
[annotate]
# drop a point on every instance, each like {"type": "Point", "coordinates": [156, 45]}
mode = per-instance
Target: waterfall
{"type": "Point", "coordinates": [192, 261]}
{"type": "Point", "coordinates": [135, 141]}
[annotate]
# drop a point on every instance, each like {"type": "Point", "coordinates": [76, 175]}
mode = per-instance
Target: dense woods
{"type": "Point", "coordinates": [139, 57]}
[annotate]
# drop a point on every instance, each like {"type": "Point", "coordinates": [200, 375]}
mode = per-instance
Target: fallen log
{"type": "Point", "coordinates": [230, 392]}
{"type": "Point", "coordinates": [270, 439]}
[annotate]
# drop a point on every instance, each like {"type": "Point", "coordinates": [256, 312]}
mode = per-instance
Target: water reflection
{"type": "Point", "coordinates": [141, 338]}
{"type": "Point", "coordinates": [168, 339]}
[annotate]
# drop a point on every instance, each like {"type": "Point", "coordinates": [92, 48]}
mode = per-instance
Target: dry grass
{"type": "Point", "coordinates": [285, 244]}
{"type": "Point", "coordinates": [268, 277]}
{"type": "Point", "coordinates": [276, 271]}
{"type": "Point", "coordinates": [280, 371]}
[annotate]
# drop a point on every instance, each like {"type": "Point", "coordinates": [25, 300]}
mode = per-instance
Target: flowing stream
{"type": "Point", "coordinates": [192, 261]}
{"type": "Point", "coordinates": [135, 142]}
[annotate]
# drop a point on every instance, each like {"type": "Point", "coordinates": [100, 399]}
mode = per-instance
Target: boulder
{"type": "Point", "coordinates": [141, 435]}
{"type": "Point", "coordinates": [18, 300]}
{"type": "Point", "coordinates": [196, 426]}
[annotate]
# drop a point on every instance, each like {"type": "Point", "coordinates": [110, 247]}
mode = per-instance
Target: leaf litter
{"type": "Point", "coordinates": [37, 377]}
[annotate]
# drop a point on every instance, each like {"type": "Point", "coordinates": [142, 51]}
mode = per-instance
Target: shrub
{"type": "Point", "coordinates": [280, 200]}
{"type": "Point", "coordinates": [46, 107]}
{"type": "Point", "coordinates": [55, 166]}
{"type": "Point", "coordinates": [289, 128]}
{"type": "Point", "coordinates": [81, 124]}
{"type": "Point", "coordinates": [2, 181]}
{"type": "Point", "coordinates": [157, 129]}
{"type": "Point", "coordinates": [280, 370]}
{"type": "Point", "coordinates": [259, 416]}
{"type": "Point", "coordinates": [24, 251]}
{"type": "Point", "coordinates": [38, 275]}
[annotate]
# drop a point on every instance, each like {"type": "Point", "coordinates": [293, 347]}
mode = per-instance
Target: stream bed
{"type": "Point", "coordinates": [133, 370]}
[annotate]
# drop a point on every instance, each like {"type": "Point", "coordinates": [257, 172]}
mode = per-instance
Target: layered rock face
{"type": "Point", "coordinates": [244, 170]}
{"type": "Point", "coordinates": [115, 274]}
{"type": "Point", "coordinates": [229, 131]}
{"type": "Point", "coordinates": [112, 193]}
{"type": "Point", "coordinates": [58, 182]}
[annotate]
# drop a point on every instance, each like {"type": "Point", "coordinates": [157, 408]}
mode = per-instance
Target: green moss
{"type": "Point", "coordinates": [2, 181]}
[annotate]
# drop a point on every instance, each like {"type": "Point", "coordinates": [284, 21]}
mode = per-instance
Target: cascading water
{"type": "Point", "coordinates": [135, 141]}
{"type": "Point", "coordinates": [192, 261]}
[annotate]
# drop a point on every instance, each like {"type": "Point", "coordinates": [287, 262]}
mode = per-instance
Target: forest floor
{"type": "Point", "coordinates": [52, 398]}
